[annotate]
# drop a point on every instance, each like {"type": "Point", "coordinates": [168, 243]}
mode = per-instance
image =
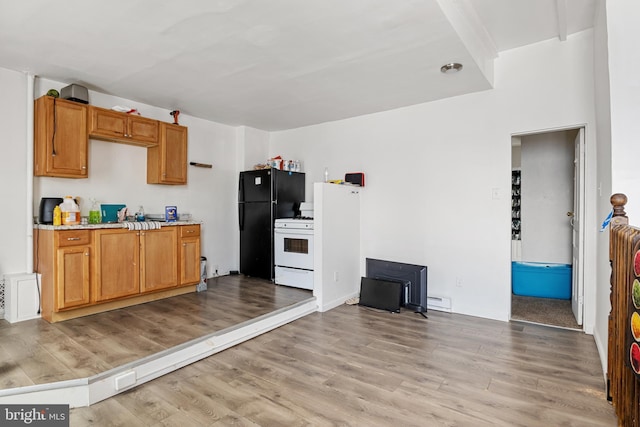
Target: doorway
{"type": "Point", "coordinates": [547, 195]}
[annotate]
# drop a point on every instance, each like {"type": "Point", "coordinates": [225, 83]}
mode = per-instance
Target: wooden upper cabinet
{"type": "Point", "coordinates": [143, 129]}
{"type": "Point", "coordinates": [167, 163]}
{"type": "Point", "coordinates": [120, 127]}
{"type": "Point", "coordinates": [60, 138]}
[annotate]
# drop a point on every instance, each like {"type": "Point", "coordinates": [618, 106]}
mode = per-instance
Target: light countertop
{"type": "Point", "coordinates": [108, 225]}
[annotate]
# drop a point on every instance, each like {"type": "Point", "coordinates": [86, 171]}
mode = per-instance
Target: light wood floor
{"type": "Point", "coordinates": [355, 366]}
{"type": "Point", "coordinates": [37, 352]}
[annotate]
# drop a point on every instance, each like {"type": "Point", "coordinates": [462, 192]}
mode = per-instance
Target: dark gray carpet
{"type": "Point", "coordinates": [547, 311]}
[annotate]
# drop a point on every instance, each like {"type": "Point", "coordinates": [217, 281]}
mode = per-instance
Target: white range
{"type": "Point", "coordinates": [293, 252]}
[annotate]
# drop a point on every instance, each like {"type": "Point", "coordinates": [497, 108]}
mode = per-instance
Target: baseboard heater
{"type": "Point", "coordinates": [439, 303]}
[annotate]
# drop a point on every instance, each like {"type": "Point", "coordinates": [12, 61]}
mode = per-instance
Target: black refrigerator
{"type": "Point", "coordinates": [263, 196]}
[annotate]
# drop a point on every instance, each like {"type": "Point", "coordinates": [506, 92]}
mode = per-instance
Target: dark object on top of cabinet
{"type": "Point", "coordinates": [356, 178]}
{"type": "Point", "coordinates": [75, 93]}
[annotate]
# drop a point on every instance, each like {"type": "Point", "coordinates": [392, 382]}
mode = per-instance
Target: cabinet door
{"type": "Point", "coordinates": [73, 277]}
{"type": "Point", "coordinates": [142, 129]}
{"type": "Point", "coordinates": [167, 163]}
{"type": "Point", "coordinates": [159, 258]}
{"type": "Point", "coordinates": [107, 123]}
{"type": "Point", "coordinates": [60, 138]}
{"type": "Point", "coordinates": [117, 270]}
{"type": "Point", "coordinates": [190, 260]}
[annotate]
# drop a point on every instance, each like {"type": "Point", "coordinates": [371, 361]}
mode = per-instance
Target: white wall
{"type": "Point", "coordinates": [624, 73]}
{"type": "Point", "coordinates": [13, 166]}
{"type": "Point", "coordinates": [117, 174]}
{"type": "Point", "coordinates": [617, 71]}
{"type": "Point", "coordinates": [547, 196]}
{"type": "Point", "coordinates": [603, 113]}
{"type": "Point", "coordinates": [253, 145]}
{"type": "Point", "coordinates": [431, 169]}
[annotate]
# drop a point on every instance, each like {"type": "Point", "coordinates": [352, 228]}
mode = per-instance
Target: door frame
{"type": "Point", "coordinates": [587, 172]}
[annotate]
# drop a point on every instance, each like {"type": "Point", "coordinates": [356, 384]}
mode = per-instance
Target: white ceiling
{"type": "Point", "coordinates": [277, 64]}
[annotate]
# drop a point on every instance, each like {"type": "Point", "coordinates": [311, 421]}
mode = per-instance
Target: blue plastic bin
{"type": "Point", "coordinates": [539, 279]}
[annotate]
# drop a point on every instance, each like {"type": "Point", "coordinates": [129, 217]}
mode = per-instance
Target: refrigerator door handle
{"type": "Point", "coordinates": [241, 189]}
{"type": "Point", "coordinates": [241, 216]}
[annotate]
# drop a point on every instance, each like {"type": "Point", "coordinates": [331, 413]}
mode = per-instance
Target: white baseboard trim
{"type": "Point", "coordinates": [87, 391]}
{"type": "Point", "coordinates": [335, 303]}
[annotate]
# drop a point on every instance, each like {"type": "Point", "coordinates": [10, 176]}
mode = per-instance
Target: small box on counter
{"type": "Point", "coordinates": [170, 213]}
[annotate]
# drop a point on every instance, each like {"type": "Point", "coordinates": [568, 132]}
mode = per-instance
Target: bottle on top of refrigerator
{"type": "Point", "coordinates": [70, 211]}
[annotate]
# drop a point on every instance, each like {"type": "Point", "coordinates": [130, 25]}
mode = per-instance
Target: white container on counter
{"type": "Point", "coordinates": [70, 211]}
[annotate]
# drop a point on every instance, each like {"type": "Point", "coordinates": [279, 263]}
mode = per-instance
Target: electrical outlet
{"type": "Point", "coordinates": [459, 282]}
{"type": "Point", "coordinates": [335, 276]}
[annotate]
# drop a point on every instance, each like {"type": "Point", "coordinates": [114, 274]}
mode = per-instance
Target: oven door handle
{"type": "Point", "coordinates": [294, 231]}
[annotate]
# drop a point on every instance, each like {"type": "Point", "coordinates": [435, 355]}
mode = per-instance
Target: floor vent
{"type": "Point", "coordinates": [439, 303]}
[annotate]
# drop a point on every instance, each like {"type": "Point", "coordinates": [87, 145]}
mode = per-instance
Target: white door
{"type": "Point", "coordinates": [577, 280]}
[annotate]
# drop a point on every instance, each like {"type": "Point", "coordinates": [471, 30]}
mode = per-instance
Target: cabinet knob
{"type": "Point", "coordinates": [184, 244]}
{"type": "Point", "coordinates": [84, 167]}
{"type": "Point", "coordinates": [86, 254]}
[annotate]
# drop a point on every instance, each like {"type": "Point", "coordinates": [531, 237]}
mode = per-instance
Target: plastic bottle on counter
{"type": "Point", "coordinates": [57, 216]}
{"type": "Point", "coordinates": [70, 211]}
{"type": "Point", "coordinates": [94, 214]}
{"type": "Point", "coordinates": [140, 214]}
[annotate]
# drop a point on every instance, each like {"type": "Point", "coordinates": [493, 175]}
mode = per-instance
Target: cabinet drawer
{"type": "Point", "coordinates": [189, 230]}
{"type": "Point", "coordinates": [73, 237]}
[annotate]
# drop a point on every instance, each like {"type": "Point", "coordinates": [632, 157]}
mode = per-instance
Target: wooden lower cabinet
{"type": "Point", "coordinates": [117, 264]}
{"type": "Point", "coordinates": [189, 254]}
{"type": "Point", "coordinates": [159, 256]}
{"type": "Point", "coordinates": [73, 276]}
{"type": "Point", "coordinates": [63, 259]}
{"type": "Point", "coordinates": [88, 271]}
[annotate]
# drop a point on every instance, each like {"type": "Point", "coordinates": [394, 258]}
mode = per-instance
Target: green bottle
{"type": "Point", "coordinates": [94, 213]}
